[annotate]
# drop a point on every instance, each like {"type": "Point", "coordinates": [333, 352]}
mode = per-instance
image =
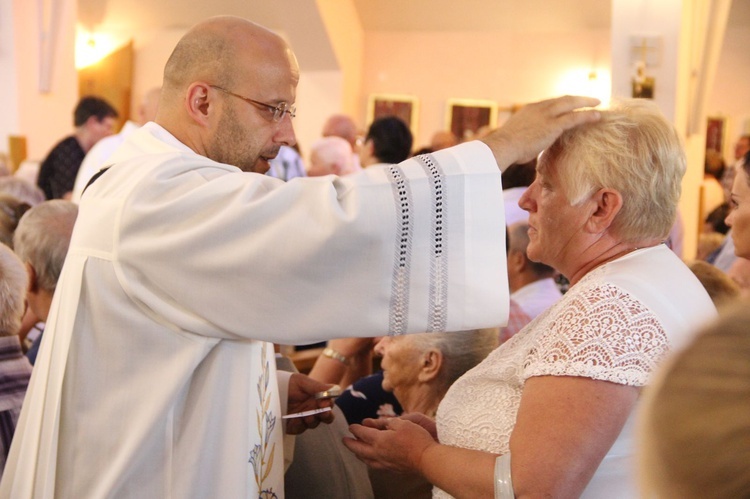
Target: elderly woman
{"type": "Point", "coordinates": [549, 413]}
{"type": "Point", "coordinates": [419, 369]}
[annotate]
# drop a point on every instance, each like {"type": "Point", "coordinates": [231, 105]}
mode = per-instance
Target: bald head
{"type": "Point", "coordinates": [330, 155]}
{"type": "Point", "coordinates": [221, 85]}
{"type": "Point", "coordinates": [341, 125]}
{"type": "Point", "coordinates": [218, 50]}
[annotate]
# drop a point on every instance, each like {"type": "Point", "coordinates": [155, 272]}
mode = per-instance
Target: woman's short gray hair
{"type": "Point", "coordinates": [461, 350]}
{"type": "Point", "coordinates": [634, 150]}
{"type": "Point", "coordinates": [42, 239]}
{"type": "Point", "coordinates": [13, 282]}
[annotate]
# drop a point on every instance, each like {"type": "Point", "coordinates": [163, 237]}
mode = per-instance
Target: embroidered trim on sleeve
{"type": "Point", "coordinates": [438, 274]}
{"type": "Point", "coordinates": [399, 308]}
{"type": "Point", "coordinates": [438, 305]}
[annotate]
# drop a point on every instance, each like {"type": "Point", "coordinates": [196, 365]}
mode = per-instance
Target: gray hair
{"type": "Point", "coordinates": [13, 282]}
{"type": "Point", "coordinates": [42, 239]}
{"type": "Point", "coordinates": [634, 150]}
{"type": "Point", "coordinates": [461, 350]}
{"type": "Point", "coordinates": [22, 190]}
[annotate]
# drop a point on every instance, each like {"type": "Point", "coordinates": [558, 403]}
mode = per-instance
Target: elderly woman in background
{"type": "Point", "coordinates": [419, 369]}
{"type": "Point", "coordinates": [695, 427]}
{"type": "Point", "coordinates": [549, 413]}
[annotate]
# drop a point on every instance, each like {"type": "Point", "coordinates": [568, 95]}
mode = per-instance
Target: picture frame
{"type": "Point", "coordinates": [464, 117]}
{"type": "Point", "coordinates": [405, 107]}
{"type": "Point", "coordinates": [716, 133]}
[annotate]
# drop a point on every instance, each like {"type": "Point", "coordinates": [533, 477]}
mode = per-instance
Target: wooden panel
{"type": "Point", "coordinates": [111, 79]}
{"type": "Point", "coordinates": [16, 151]}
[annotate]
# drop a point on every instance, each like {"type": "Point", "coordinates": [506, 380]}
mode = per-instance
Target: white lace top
{"type": "Point", "coordinates": [616, 324]}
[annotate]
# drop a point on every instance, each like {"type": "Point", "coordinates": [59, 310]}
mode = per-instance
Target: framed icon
{"type": "Point", "coordinates": [715, 133]}
{"type": "Point", "coordinates": [405, 107]}
{"type": "Point", "coordinates": [465, 117]}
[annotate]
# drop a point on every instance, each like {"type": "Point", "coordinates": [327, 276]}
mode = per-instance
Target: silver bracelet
{"type": "Point", "coordinates": [333, 354]}
{"type": "Point", "coordinates": [503, 483]}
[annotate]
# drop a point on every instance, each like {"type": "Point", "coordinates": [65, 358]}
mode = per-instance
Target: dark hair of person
{"type": "Point", "coordinates": [92, 106]}
{"type": "Point", "coordinates": [424, 150]}
{"type": "Point", "coordinates": [519, 175]}
{"type": "Point", "coordinates": [716, 218]}
{"type": "Point", "coordinates": [391, 139]}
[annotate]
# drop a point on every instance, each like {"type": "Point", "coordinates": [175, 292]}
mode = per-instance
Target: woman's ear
{"type": "Point", "coordinates": [432, 361]}
{"type": "Point", "coordinates": [608, 205]}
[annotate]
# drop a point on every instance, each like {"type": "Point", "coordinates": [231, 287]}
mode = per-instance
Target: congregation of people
{"type": "Point", "coordinates": [507, 313]}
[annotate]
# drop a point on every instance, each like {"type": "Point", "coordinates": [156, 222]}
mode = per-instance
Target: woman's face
{"type": "Point", "coordinates": [554, 224]}
{"type": "Point", "coordinates": [401, 363]}
{"type": "Point", "coordinates": [739, 217]}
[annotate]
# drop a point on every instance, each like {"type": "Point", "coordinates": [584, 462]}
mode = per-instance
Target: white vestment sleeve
{"type": "Point", "coordinates": [405, 248]}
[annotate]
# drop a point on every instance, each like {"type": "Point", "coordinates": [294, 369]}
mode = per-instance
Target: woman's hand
{"type": "Point", "coordinates": [394, 444]}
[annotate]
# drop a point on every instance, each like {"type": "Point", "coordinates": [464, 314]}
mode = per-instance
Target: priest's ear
{"type": "Point", "coordinates": [199, 100]}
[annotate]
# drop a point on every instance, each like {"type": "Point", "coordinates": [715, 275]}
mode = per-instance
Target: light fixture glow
{"type": "Point", "coordinates": [92, 47]}
{"type": "Point", "coordinates": [590, 82]}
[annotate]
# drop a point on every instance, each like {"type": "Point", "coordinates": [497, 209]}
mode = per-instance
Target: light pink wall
{"type": "Point", "coordinates": [45, 118]}
{"type": "Point", "coordinates": [507, 67]}
{"type": "Point", "coordinates": [730, 96]}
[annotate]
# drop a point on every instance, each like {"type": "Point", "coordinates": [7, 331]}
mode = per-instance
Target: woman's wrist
{"type": "Point", "coordinates": [334, 354]}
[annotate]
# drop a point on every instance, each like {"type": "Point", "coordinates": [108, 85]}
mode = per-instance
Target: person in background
{"type": "Point", "coordinates": [549, 413]}
{"type": "Point", "coordinates": [94, 119]}
{"type": "Point", "coordinates": [287, 164]}
{"type": "Point", "coordinates": [22, 190]}
{"type": "Point", "coordinates": [694, 429]}
{"type": "Point", "coordinates": [11, 211]}
{"type": "Point", "coordinates": [331, 156]}
{"type": "Point", "coordinates": [418, 369]}
{"type": "Point", "coordinates": [531, 283]}
{"type": "Point", "coordinates": [388, 141]}
{"type": "Point", "coordinates": [739, 272]}
{"type": "Point", "coordinates": [516, 179]}
{"type": "Point", "coordinates": [741, 148]}
{"type": "Point", "coordinates": [720, 287]}
{"type": "Point", "coordinates": [97, 157]}
{"type": "Point", "coordinates": [41, 242]}
{"type": "Point", "coordinates": [341, 125]}
{"type": "Point", "coordinates": [712, 194]}
{"type": "Point", "coordinates": [442, 139]}
{"type": "Point", "coordinates": [15, 369]}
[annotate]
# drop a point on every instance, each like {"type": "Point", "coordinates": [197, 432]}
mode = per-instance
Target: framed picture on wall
{"type": "Point", "coordinates": [405, 107]}
{"type": "Point", "coordinates": [715, 131]}
{"type": "Point", "coordinates": [464, 117]}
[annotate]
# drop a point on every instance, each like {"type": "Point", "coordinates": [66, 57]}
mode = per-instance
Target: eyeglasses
{"type": "Point", "coordinates": [278, 111]}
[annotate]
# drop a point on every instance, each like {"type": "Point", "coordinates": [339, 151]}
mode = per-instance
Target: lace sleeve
{"type": "Point", "coordinates": [603, 333]}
